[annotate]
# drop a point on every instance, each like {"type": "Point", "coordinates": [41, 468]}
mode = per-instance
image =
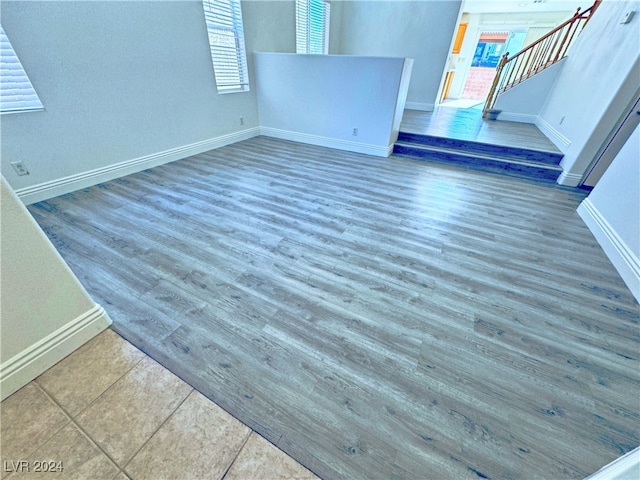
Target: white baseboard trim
{"type": "Point", "coordinates": [60, 186]}
{"type": "Point", "coordinates": [518, 117]}
{"type": "Point", "coordinates": [552, 134]}
{"type": "Point", "coordinates": [569, 179]}
{"type": "Point", "coordinates": [623, 259]}
{"type": "Point", "coordinates": [366, 148]}
{"type": "Point", "coordinates": [22, 368]}
{"type": "Point", "coordinates": [625, 467]}
{"type": "Point", "coordinates": [425, 107]}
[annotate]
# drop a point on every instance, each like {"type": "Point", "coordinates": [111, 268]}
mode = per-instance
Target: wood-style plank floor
{"type": "Point", "coordinates": [375, 318]}
{"type": "Point", "coordinates": [468, 124]}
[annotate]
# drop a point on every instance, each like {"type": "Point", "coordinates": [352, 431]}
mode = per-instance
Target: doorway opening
{"type": "Point", "coordinates": [490, 47]}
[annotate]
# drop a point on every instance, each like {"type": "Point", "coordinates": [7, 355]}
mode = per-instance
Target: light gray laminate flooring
{"type": "Point", "coordinates": [373, 317]}
{"type": "Point", "coordinates": [468, 124]}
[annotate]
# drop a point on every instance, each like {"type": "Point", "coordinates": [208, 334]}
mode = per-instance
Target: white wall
{"type": "Point", "coordinates": [125, 86]}
{"type": "Point", "coordinates": [422, 30]}
{"type": "Point", "coordinates": [46, 313]}
{"type": "Point", "coordinates": [321, 99]}
{"type": "Point", "coordinates": [269, 26]}
{"type": "Point", "coordinates": [597, 82]}
{"type": "Point", "coordinates": [612, 212]}
{"type": "Point", "coordinates": [523, 103]}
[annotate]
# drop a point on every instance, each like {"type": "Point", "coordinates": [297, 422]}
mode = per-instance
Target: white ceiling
{"type": "Point", "coordinates": [504, 6]}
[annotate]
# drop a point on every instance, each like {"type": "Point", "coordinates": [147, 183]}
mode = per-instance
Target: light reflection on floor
{"type": "Point", "coordinates": [468, 124]}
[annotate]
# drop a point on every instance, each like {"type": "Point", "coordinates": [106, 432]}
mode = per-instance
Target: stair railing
{"type": "Point", "coordinates": [541, 54]}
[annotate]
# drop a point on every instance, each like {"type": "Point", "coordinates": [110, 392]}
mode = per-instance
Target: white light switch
{"type": "Point", "coordinates": [627, 17]}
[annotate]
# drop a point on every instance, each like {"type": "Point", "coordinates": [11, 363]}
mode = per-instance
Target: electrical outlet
{"type": "Point", "coordinates": [355, 132]}
{"type": "Point", "coordinates": [20, 168]}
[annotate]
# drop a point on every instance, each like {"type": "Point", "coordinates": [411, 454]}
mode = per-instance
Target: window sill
{"type": "Point", "coordinates": [234, 90]}
{"type": "Point", "coordinates": [26, 110]}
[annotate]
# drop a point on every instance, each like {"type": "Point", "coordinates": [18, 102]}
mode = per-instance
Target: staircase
{"type": "Point", "coordinates": [511, 161]}
{"type": "Point", "coordinates": [512, 70]}
{"type": "Point", "coordinates": [534, 58]}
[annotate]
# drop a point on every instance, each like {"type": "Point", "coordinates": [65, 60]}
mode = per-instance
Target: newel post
{"type": "Point", "coordinates": [492, 96]}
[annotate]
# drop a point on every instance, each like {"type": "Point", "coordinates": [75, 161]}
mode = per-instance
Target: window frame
{"type": "Point", "coordinates": [15, 86]}
{"type": "Point", "coordinates": [308, 14]}
{"type": "Point", "coordinates": [225, 32]}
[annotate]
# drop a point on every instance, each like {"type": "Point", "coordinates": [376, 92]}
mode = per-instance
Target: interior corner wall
{"type": "Point", "coordinates": [422, 30]}
{"type": "Point", "coordinates": [612, 212]}
{"type": "Point", "coordinates": [595, 85]}
{"type": "Point", "coordinates": [46, 313]}
{"type": "Point", "coordinates": [125, 86]}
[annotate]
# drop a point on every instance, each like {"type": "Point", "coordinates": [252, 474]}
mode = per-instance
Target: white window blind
{"type": "Point", "coordinates": [226, 39]}
{"type": "Point", "coordinates": [312, 26]}
{"type": "Point", "coordinates": [16, 92]}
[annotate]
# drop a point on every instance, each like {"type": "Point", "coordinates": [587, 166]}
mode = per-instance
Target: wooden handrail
{"type": "Point", "coordinates": [551, 33]}
{"type": "Point", "coordinates": [544, 52]}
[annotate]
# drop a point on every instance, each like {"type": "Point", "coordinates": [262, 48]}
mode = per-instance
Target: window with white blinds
{"type": "Point", "coordinates": [312, 26]}
{"type": "Point", "coordinates": [16, 92]}
{"type": "Point", "coordinates": [226, 38]}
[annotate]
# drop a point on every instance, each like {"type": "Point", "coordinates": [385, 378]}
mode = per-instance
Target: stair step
{"type": "Point", "coordinates": [504, 165]}
{"type": "Point", "coordinates": [516, 153]}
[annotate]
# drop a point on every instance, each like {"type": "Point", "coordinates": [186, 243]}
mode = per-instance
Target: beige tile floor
{"type": "Point", "coordinates": [108, 411]}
